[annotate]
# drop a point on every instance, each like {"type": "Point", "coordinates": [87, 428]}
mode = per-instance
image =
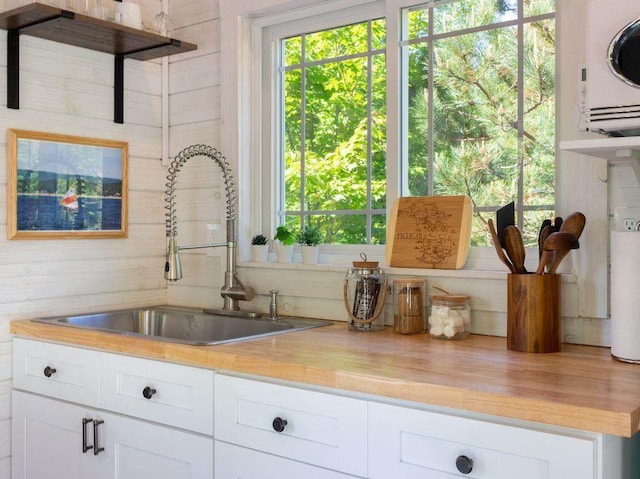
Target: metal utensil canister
{"type": "Point", "coordinates": [365, 291]}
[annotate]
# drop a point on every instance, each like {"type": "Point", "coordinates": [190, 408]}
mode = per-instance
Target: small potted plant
{"type": "Point", "coordinates": [284, 247]}
{"type": "Point", "coordinates": [309, 238]}
{"type": "Point", "coordinates": [259, 248]}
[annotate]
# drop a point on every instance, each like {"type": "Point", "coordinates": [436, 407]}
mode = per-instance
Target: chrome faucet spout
{"type": "Point", "coordinates": [233, 290]}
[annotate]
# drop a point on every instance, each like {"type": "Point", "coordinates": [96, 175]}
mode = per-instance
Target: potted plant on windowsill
{"type": "Point", "coordinates": [259, 248]}
{"type": "Point", "coordinates": [284, 247]}
{"type": "Point", "coordinates": [309, 238]}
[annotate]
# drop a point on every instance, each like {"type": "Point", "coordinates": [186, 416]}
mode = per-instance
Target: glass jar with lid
{"type": "Point", "coordinates": [449, 316]}
{"type": "Point", "coordinates": [408, 304]}
{"type": "Point", "coordinates": [365, 291]}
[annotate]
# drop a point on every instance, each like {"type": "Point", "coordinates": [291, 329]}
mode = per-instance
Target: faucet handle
{"type": "Point", "coordinates": [273, 305]}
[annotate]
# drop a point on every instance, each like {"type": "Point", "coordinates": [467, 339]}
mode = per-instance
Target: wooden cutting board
{"type": "Point", "coordinates": [429, 232]}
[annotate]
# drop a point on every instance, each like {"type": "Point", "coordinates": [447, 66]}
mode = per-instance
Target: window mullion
{"type": "Point", "coordinates": [430, 103]}
{"type": "Point", "coordinates": [303, 124]}
{"type": "Point", "coordinates": [520, 119]}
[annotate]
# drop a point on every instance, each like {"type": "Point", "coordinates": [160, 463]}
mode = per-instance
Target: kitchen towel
{"type": "Point", "coordinates": [625, 295]}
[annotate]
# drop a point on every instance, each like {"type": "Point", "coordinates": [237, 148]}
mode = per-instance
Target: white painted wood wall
{"type": "Point", "coordinates": [69, 90]}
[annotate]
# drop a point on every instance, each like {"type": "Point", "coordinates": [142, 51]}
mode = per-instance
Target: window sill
{"type": "Point", "coordinates": [427, 273]}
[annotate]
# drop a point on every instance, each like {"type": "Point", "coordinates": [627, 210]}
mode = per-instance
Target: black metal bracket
{"type": "Point", "coordinates": [13, 58]}
{"type": "Point", "coordinates": [13, 69]}
{"type": "Point", "coordinates": [118, 89]}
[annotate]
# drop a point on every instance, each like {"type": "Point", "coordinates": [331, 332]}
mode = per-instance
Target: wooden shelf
{"type": "Point", "coordinates": [623, 150]}
{"type": "Point", "coordinates": [63, 26]}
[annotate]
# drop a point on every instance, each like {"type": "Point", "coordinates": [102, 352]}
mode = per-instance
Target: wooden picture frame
{"type": "Point", "coordinates": [61, 186]}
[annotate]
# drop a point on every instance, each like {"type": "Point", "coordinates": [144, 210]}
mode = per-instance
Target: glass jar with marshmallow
{"type": "Point", "coordinates": [449, 316]}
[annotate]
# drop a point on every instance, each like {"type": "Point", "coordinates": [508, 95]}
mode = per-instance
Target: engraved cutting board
{"type": "Point", "coordinates": [429, 232]}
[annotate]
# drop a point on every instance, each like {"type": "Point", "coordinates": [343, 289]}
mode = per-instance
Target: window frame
{"type": "Point", "coordinates": [274, 28]}
{"type": "Point", "coordinates": [580, 185]}
{"type": "Point", "coordinates": [271, 147]}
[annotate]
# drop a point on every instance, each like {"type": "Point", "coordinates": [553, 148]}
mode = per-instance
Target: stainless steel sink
{"type": "Point", "coordinates": [187, 326]}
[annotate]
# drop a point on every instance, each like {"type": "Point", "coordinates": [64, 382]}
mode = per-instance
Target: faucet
{"type": "Point", "coordinates": [233, 290]}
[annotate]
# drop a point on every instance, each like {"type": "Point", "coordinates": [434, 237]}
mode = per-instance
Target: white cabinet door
{"type": "Point", "coordinates": [47, 439]}
{"type": "Point", "coordinates": [307, 426]}
{"type": "Point", "coordinates": [235, 462]}
{"type": "Point", "coordinates": [172, 394]}
{"type": "Point", "coordinates": [414, 444]}
{"type": "Point", "coordinates": [138, 449]}
{"type": "Point", "coordinates": [57, 371]}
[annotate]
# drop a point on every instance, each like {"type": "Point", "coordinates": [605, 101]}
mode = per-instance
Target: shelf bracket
{"type": "Point", "coordinates": [13, 58]}
{"type": "Point", "coordinates": [118, 89]}
{"type": "Point", "coordinates": [13, 69]}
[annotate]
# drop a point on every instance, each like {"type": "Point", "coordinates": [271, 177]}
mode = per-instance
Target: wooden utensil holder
{"type": "Point", "coordinates": [533, 313]}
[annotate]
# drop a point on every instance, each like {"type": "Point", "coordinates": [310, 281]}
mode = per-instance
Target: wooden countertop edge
{"type": "Point", "coordinates": [619, 423]}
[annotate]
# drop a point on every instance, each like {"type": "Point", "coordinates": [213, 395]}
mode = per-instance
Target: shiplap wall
{"type": "Point", "coordinates": [69, 90]}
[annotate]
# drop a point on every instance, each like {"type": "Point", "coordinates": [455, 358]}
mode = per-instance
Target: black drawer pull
{"type": "Point", "coordinates": [49, 371]}
{"type": "Point", "coordinates": [85, 448]}
{"type": "Point", "coordinates": [96, 450]}
{"type": "Point", "coordinates": [464, 464]}
{"type": "Point", "coordinates": [148, 392]}
{"type": "Point", "coordinates": [279, 424]}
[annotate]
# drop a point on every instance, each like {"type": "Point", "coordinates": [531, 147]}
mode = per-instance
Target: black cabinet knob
{"type": "Point", "coordinates": [279, 424]}
{"type": "Point", "coordinates": [148, 392]}
{"type": "Point", "coordinates": [464, 464]}
{"type": "Point", "coordinates": [49, 371]}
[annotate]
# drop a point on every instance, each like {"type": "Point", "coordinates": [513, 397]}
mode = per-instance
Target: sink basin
{"type": "Point", "coordinates": [187, 326]}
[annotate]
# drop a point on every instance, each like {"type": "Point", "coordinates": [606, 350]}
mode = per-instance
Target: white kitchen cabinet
{"type": "Point", "coordinates": [58, 371]}
{"type": "Point", "coordinates": [171, 394]}
{"type": "Point", "coordinates": [411, 443]}
{"type": "Point", "coordinates": [312, 427]}
{"type": "Point", "coordinates": [49, 435]}
{"type": "Point", "coordinates": [267, 429]}
{"type": "Point", "coordinates": [235, 462]}
{"type": "Point", "coordinates": [46, 439]}
{"type": "Point", "coordinates": [49, 443]}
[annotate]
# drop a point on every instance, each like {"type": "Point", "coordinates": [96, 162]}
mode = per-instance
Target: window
{"type": "Point", "coordinates": [476, 116]}
{"type": "Point", "coordinates": [478, 107]}
{"type": "Point", "coordinates": [333, 132]}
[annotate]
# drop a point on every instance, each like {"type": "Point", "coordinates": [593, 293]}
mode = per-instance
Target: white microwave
{"type": "Point", "coordinates": [613, 67]}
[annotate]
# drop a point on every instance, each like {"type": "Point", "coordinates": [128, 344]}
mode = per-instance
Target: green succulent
{"type": "Point", "coordinates": [310, 236]}
{"type": "Point", "coordinates": [259, 240]}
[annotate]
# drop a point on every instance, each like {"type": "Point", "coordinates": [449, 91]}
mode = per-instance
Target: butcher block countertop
{"type": "Point", "coordinates": [580, 387]}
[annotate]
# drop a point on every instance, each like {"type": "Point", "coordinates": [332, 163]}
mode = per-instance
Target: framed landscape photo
{"type": "Point", "coordinates": [61, 186]}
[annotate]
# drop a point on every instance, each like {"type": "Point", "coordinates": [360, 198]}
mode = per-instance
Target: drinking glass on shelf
{"type": "Point", "coordinates": [162, 23]}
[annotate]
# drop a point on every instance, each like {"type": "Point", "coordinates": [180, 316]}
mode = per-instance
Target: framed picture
{"type": "Point", "coordinates": [62, 186]}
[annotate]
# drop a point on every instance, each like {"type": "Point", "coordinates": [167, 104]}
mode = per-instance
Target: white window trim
{"type": "Point", "coordinates": [242, 22]}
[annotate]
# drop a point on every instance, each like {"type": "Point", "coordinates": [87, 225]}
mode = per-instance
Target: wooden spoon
{"type": "Point", "coordinates": [544, 234]}
{"type": "Point", "coordinates": [496, 244]}
{"type": "Point", "coordinates": [544, 229]}
{"type": "Point", "coordinates": [515, 248]}
{"type": "Point", "coordinates": [574, 224]}
{"type": "Point", "coordinates": [556, 242]}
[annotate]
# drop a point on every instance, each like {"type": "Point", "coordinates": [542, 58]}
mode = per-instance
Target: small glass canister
{"type": "Point", "coordinates": [408, 303]}
{"type": "Point", "coordinates": [450, 316]}
{"type": "Point", "coordinates": [365, 291]}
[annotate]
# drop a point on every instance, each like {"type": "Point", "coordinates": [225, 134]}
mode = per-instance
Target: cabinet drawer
{"type": "Point", "coordinates": [409, 443]}
{"type": "Point", "coordinates": [320, 429]}
{"type": "Point", "coordinates": [171, 394]}
{"type": "Point", "coordinates": [57, 371]}
{"type": "Point", "coordinates": [235, 462]}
